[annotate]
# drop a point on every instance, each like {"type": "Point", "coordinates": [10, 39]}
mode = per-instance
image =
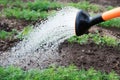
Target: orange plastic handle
{"type": "Point", "coordinates": [111, 14]}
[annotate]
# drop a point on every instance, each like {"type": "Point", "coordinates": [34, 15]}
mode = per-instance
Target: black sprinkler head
{"type": "Point", "coordinates": [82, 22]}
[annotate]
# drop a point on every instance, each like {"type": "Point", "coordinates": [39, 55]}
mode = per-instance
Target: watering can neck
{"type": "Point", "coordinates": [95, 20]}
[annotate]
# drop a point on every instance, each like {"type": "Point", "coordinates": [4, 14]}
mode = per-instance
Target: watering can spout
{"type": "Point", "coordinates": [84, 21]}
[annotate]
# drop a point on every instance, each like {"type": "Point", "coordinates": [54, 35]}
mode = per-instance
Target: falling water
{"type": "Point", "coordinates": [39, 48]}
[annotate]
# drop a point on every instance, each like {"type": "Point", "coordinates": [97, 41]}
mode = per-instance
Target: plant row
{"type": "Point", "coordinates": [55, 73]}
{"type": "Point", "coordinates": [96, 38]}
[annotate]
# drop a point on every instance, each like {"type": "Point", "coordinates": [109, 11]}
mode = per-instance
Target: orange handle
{"type": "Point", "coordinates": [111, 14]}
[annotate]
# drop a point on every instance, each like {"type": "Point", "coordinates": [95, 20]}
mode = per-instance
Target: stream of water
{"type": "Point", "coordinates": [39, 48]}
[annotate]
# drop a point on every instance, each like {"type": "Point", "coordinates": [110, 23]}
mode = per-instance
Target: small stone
{"type": "Point", "coordinates": [83, 50]}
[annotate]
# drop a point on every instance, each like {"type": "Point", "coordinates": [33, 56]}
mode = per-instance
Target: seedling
{"type": "Point", "coordinates": [60, 73]}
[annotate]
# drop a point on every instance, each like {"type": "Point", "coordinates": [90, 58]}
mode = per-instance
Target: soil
{"type": "Point", "coordinates": [106, 2]}
{"type": "Point", "coordinates": [105, 58]}
{"type": "Point", "coordinates": [8, 25]}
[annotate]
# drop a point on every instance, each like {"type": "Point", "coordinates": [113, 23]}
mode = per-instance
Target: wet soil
{"type": "Point", "coordinates": [7, 44]}
{"type": "Point", "coordinates": [9, 24]}
{"type": "Point", "coordinates": [103, 58]}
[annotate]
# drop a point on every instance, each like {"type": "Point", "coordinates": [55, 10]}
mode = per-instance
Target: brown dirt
{"type": "Point", "coordinates": [89, 55]}
{"type": "Point", "coordinates": [9, 24]}
{"type": "Point", "coordinates": [111, 32]}
{"type": "Point", "coordinates": [106, 2]}
{"type": "Point", "coordinates": [7, 44]}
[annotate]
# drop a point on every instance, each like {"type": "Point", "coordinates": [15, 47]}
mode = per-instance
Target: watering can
{"type": "Point", "coordinates": [84, 21]}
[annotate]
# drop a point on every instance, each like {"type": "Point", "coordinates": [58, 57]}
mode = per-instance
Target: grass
{"type": "Point", "coordinates": [96, 38]}
{"type": "Point", "coordinates": [53, 73]}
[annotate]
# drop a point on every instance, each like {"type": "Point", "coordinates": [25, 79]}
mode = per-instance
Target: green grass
{"type": "Point", "coordinates": [60, 73]}
{"type": "Point", "coordinates": [96, 38]}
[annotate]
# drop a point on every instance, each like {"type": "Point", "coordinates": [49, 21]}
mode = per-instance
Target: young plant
{"type": "Point", "coordinates": [111, 23]}
{"type": "Point", "coordinates": [12, 3]}
{"type": "Point", "coordinates": [26, 14]}
{"type": "Point", "coordinates": [7, 35]}
{"type": "Point", "coordinates": [85, 5]}
{"type": "Point", "coordinates": [43, 5]}
{"type": "Point", "coordinates": [3, 34]}
{"type": "Point", "coordinates": [25, 32]}
{"type": "Point", "coordinates": [81, 39]}
{"type": "Point", "coordinates": [96, 38]}
{"type": "Point", "coordinates": [53, 73]}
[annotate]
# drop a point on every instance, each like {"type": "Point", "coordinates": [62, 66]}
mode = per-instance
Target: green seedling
{"type": "Point", "coordinates": [25, 14]}
{"type": "Point", "coordinates": [53, 73]}
{"type": "Point", "coordinates": [7, 35]}
{"type": "Point", "coordinates": [43, 5]}
{"type": "Point", "coordinates": [3, 34]}
{"type": "Point", "coordinates": [85, 5]}
{"type": "Point", "coordinates": [12, 3]}
{"type": "Point", "coordinates": [96, 38]}
{"type": "Point", "coordinates": [25, 32]}
{"type": "Point", "coordinates": [111, 23]}
{"type": "Point", "coordinates": [82, 39]}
